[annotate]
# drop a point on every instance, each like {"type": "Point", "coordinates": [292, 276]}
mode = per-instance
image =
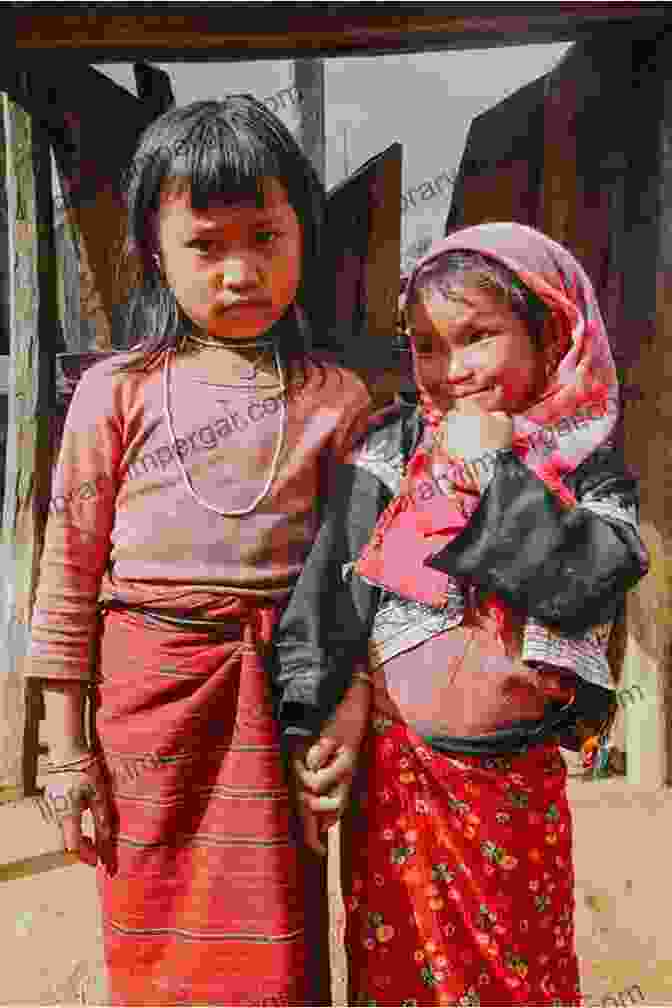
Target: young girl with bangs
{"type": "Point", "coordinates": [214, 440]}
{"type": "Point", "coordinates": [475, 554]}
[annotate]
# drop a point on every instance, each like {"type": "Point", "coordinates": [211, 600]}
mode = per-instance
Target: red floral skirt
{"type": "Point", "coordinates": [458, 878]}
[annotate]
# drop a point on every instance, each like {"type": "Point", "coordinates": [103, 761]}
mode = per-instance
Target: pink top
{"type": "Point", "coordinates": [123, 525]}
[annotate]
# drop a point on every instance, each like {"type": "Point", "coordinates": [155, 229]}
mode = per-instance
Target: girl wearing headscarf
{"type": "Point", "coordinates": [475, 556]}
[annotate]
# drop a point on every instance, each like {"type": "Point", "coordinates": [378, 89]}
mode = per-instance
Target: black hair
{"type": "Point", "coordinates": [225, 149]}
{"type": "Point", "coordinates": [439, 275]}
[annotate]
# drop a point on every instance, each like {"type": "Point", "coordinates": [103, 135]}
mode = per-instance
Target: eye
{"type": "Point", "coordinates": [478, 335]}
{"type": "Point", "coordinates": [265, 236]}
{"type": "Point", "coordinates": [203, 246]}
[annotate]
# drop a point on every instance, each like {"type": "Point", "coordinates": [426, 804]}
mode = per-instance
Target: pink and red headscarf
{"type": "Point", "coordinates": [575, 413]}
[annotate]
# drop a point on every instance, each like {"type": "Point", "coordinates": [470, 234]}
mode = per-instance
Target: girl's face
{"type": "Point", "coordinates": [235, 269]}
{"type": "Point", "coordinates": [471, 345]}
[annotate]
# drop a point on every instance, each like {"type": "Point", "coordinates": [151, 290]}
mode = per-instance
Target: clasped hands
{"type": "Point", "coordinates": [323, 770]}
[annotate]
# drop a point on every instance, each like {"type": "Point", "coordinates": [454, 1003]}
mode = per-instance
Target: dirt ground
{"type": "Point", "coordinates": [50, 931]}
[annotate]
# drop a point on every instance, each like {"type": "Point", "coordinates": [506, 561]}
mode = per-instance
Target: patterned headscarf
{"type": "Point", "coordinates": [575, 413]}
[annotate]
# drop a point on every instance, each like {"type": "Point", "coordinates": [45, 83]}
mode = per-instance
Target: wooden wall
{"type": "Point", "coordinates": [70, 115]}
{"type": "Point", "coordinates": [595, 133]}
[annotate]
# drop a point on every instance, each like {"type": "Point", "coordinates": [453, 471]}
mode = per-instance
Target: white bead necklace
{"type": "Point", "coordinates": [242, 512]}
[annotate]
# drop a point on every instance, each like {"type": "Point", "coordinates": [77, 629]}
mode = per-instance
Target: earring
{"type": "Point", "coordinates": [156, 259]}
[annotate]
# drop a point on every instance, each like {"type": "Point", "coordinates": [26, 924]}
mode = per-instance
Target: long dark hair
{"type": "Point", "coordinates": [225, 149]}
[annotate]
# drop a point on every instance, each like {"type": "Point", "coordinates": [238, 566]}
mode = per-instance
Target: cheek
{"type": "Point", "coordinates": [431, 370]}
{"type": "Point", "coordinates": [478, 359]}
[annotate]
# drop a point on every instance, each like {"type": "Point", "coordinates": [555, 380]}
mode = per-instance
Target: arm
{"type": "Point", "coordinates": [65, 618]}
{"type": "Point", "coordinates": [321, 646]}
{"type": "Point", "coordinates": [567, 569]}
{"type": "Point", "coordinates": [325, 628]}
{"type": "Point", "coordinates": [77, 537]}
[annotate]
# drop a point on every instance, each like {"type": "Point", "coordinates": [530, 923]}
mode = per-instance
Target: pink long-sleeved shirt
{"type": "Point", "coordinates": [123, 525]}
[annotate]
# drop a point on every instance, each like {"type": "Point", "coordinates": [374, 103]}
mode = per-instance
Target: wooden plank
{"type": "Point", "coordinates": [33, 314]}
{"type": "Point", "coordinates": [382, 274]}
{"type": "Point", "coordinates": [154, 88]}
{"type": "Point", "coordinates": [648, 418]}
{"type": "Point", "coordinates": [500, 172]}
{"type": "Point", "coordinates": [276, 31]}
{"type": "Point", "coordinates": [362, 255]}
{"type": "Point", "coordinates": [92, 160]}
{"type": "Point", "coordinates": [309, 84]}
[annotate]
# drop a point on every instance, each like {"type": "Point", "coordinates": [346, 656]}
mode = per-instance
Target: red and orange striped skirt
{"type": "Point", "coordinates": [210, 893]}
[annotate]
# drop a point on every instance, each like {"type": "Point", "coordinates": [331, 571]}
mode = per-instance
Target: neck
{"type": "Point", "coordinates": [259, 343]}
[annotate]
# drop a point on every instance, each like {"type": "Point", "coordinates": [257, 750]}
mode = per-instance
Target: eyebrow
{"type": "Point", "coordinates": [261, 215]}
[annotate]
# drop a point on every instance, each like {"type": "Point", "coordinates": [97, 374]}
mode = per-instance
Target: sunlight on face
{"type": "Point", "coordinates": [471, 344]}
{"type": "Point", "coordinates": [234, 268]}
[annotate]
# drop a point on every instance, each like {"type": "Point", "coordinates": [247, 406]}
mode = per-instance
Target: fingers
{"type": "Point", "coordinates": [311, 830]}
{"type": "Point", "coordinates": [68, 795]}
{"type": "Point", "coordinates": [341, 766]}
{"type": "Point", "coordinates": [320, 753]}
{"type": "Point", "coordinates": [335, 801]}
{"type": "Point", "coordinates": [71, 828]}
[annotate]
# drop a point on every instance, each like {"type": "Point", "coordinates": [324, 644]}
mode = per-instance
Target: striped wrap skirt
{"type": "Point", "coordinates": [209, 892]}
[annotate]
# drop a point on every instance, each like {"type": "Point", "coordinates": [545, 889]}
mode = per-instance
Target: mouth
{"type": "Point", "coordinates": [242, 304]}
{"type": "Point", "coordinates": [476, 393]}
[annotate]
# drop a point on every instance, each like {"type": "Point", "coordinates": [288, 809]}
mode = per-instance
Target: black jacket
{"type": "Point", "coordinates": [568, 569]}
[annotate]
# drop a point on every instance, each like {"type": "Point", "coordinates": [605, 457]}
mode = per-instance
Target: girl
{"type": "Point", "coordinates": [191, 469]}
{"type": "Point", "coordinates": [478, 549]}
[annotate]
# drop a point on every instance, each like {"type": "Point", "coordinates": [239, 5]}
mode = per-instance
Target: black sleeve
{"type": "Point", "coordinates": [567, 568]}
{"type": "Point", "coordinates": [326, 625]}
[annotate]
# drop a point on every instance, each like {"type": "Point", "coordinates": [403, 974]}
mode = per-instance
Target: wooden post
{"type": "Point", "coordinates": [309, 83]}
{"type": "Point", "coordinates": [155, 90]}
{"type": "Point", "coordinates": [648, 433]}
{"type": "Point", "coordinates": [33, 315]}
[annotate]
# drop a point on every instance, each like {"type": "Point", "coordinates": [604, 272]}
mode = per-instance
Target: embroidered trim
{"type": "Point", "coordinates": [584, 654]}
{"type": "Point", "coordinates": [611, 506]}
{"type": "Point", "coordinates": [402, 624]}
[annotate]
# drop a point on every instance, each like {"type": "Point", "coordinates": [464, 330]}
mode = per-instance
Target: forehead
{"type": "Point", "coordinates": [461, 303]}
{"type": "Point", "coordinates": [175, 203]}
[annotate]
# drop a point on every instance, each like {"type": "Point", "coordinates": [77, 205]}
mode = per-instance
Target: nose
{"type": "Point", "coordinates": [458, 368]}
{"type": "Point", "coordinates": [239, 273]}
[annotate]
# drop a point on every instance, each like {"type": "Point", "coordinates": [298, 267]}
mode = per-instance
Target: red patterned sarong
{"type": "Point", "coordinates": [458, 878]}
{"type": "Point", "coordinates": [206, 901]}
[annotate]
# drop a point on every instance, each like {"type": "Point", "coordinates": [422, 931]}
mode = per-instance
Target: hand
{"type": "Point", "coordinates": [323, 774]}
{"type": "Point", "coordinates": [67, 795]}
{"type": "Point", "coordinates": [468, 432]}
{"type": "Point", "coordinates": [323, 790]}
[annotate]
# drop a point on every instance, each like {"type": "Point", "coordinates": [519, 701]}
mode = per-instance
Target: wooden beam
{"type": "Point", "coordinates": [361, 258]}
{"type": "Point", "coordinates": [33, 321]}
{"type": "Point", "coordinates": [309, 85]}
{"type": "Point", "coordinates": [648, 416]}
{"type": "Point", "coordinates": [154, 87]}
{"type": "Point", "coordinates": [246, 31]}
{"type": "Point", "coordinates": [382, 274]}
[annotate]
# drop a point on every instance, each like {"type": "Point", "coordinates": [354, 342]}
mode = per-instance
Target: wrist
{"type": "Point", "coordinates": [359, 676]}
{"type": "Point", "coordinates": [68, 750]}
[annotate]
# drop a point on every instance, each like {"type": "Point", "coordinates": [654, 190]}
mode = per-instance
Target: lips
{"type": "Point", "coordinates": [242, 304]}
{"type": "Point", "coordinates": [475, 394]}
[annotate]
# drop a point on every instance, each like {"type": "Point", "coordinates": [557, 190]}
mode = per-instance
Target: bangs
{"type": "Point", "coordinates": [224, 166]}
{"type": "Point", "coordinates": [219, 151]}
